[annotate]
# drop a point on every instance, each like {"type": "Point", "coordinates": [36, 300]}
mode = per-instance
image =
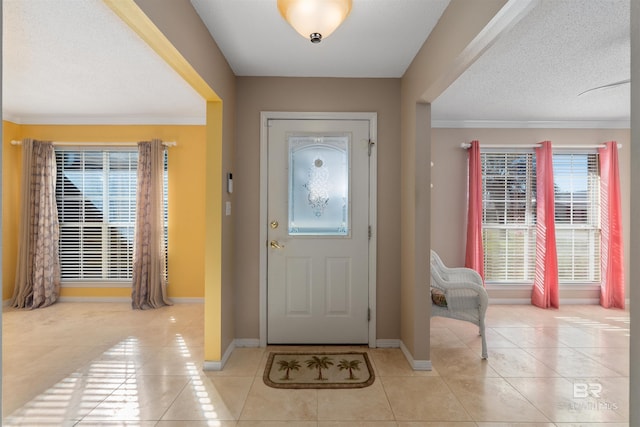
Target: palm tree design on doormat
{"type": "Point", "coordinates": [350, 365]}
{"type": "Point", "coordinates": [288, 366]}
{"type": "Point", "coordinates": [319, 363]}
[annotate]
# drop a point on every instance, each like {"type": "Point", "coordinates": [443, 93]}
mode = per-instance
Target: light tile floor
{"type": "Point", "coordinates": [106, 365]}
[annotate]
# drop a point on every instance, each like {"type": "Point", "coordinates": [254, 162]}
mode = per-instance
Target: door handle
{"type": "Point", "coordinates": [276, 245]}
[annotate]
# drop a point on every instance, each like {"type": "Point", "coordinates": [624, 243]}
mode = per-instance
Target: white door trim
{"type": "Point", "coordinates": [373, 191]}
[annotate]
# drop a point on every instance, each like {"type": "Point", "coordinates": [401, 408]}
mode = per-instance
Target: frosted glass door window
{"type": "Point", "coordinates": [319, 185]}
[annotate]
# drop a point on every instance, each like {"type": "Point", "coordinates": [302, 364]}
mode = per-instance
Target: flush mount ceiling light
{"type": "Point", "coordinates": [315, 19]}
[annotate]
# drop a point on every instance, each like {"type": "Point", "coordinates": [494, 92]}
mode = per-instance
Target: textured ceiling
{"type": "Point", "coordinates": [74, 61]}
{"type": "Point", "coordinates": [560, 49]}
{"type": "Point", "coordinates": [69, 61]}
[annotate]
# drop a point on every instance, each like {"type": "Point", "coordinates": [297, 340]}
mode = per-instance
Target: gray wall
{"type": "Point", "coordinates": [448, 175]}
{"type": "Point", "coordinates": [256, 94]}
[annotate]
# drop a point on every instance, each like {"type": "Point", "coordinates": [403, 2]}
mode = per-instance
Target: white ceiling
{"type": "Point", "coordinates": [74, 61]}
{"type": "Point", "coordinates": [379, 38]}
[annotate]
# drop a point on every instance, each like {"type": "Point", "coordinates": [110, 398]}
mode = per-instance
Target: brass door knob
{"type": "Point", "coordinates": [276, 245]}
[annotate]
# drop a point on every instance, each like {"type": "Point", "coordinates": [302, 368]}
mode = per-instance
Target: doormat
{"type": "Point", "coordinates": [318, 370]}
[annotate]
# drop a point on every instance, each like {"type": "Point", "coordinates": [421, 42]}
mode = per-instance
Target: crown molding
{"type": "Point", "coordinates": [534, 124]}
{"type": "Point", "coordinates": [102, 120]}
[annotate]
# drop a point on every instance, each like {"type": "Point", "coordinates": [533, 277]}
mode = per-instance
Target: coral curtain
{"type": "Point", "coordinates": [149, 286]}
{"type": "Point", "coordinates": [474, 257]}
{"type": "Point", "coordinates": [545, 284]}
{"type": "Point", "coordinates": [37, 281]}
{"type": "Point", "coordinates": [611, 249]}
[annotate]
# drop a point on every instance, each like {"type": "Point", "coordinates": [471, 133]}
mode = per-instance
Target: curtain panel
{"type": "Point", "coordinates": [149, 284]}
{"type": "Point", "coordinates": [611, 245]}
{"type": "Point", "coordinates": [545, 284]}
{"type": "Point", "coordinates": [38, 268]}
{"type": "Point", "coordinates": [474, 257]}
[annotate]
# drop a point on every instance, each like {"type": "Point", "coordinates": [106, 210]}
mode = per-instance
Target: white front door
{"type": "Point", "coordinates": [318, 232]}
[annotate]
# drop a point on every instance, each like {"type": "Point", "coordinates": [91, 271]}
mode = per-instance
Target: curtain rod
{"type": "Point", "coordinates": [467, 145]}
{"type": "Point", "coordinates": [98, 144]}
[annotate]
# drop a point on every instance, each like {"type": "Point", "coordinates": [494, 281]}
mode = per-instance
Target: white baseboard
{"type": "Point", "coordinates": [217, 365]}
{"type": "Point", "coordinates": [95, 299]}
{"type": "Point", "coordinates": [509, 301]}
{"type": "Point", "coordinates": [124, 299]}
{"type": "Point", "coordinates": [417, 365]}
{"type": "Point", "coordinates": [211, 365]}
{"type": "Point", "coordinates": [388, 343]}
{"type": "Point", "coordinates": [527, 301]}
{"type": "Point", "coordinates": [247, 342]}
{"type": "Point", "coordinates": [579, 301]}
{"type": "Point", "coordinates": [187, 300]}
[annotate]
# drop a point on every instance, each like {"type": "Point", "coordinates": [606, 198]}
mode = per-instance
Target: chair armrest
{"type": "Point", "coordinates": [462, 274]}
{"type": "Point", "coordinates": [455, 274]}
{"type": "Point", "coordinates": [469, 282]}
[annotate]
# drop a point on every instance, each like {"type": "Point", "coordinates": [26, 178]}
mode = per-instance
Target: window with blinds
{"type": "Point", "coordinates": [509, 217]}
{"type": "Point", "coordinates": [96, 198]}
{"type": "Point", "coordinates": [577, 197]}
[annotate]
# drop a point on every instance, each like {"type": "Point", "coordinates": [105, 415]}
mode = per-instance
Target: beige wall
{"type": "Point", "coordinates": [634, 253]}
{"type": "Point", "coordinates": [256, 94]}
{"type": "Point", "coordinates": [182, 26]}
{"type": "Point", "coordinates": [455, 42]}
{"type": "Point", "coordinates": [449, 178]}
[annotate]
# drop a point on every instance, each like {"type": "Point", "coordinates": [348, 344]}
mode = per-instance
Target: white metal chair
{"type": "Point", "coordinates": [465, 297]}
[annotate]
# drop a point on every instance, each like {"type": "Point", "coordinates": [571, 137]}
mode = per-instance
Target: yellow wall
{"type": "Point", "coordinates": [11, 156]}
{"type": "Point", "coordinates": [176, 32]}
{"type": "Point", "coordinates": [186, 198]}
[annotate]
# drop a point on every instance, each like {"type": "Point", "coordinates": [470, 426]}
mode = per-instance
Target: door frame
{"type": "Point", "coordinates": [265, 116]}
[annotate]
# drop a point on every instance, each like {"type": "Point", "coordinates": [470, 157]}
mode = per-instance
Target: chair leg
{"type": "Point", "coordinates": [484, 338]}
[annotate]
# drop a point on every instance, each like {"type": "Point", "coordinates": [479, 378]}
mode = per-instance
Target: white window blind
{"type": "Point", "coordinates": [165, 213]}
{"type": "Point", "coordinates": [577, 197]}
{"type": "Point", "coordinates": [509, 216]}
{"type": "Point", "coordinates": [96, 197]}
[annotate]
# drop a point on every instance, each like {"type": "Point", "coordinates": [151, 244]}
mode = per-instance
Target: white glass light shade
{"type": "Point", "coordinates": [314, 19]}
